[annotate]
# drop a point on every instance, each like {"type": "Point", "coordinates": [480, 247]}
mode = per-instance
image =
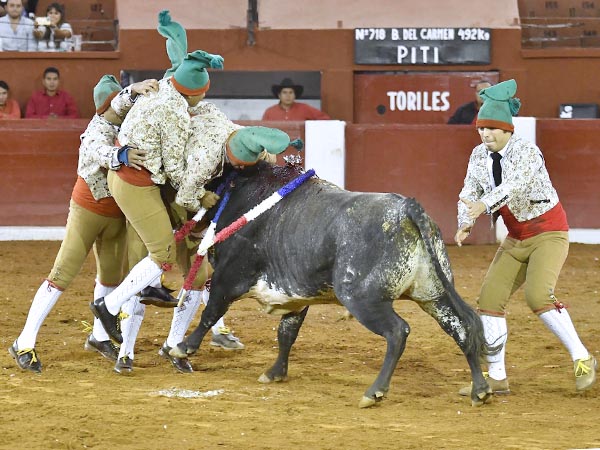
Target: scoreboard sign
{"type": "Point", "coordinates": [422, 46]}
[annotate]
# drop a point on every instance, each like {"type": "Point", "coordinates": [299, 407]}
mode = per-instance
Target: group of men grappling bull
{"type": "Point", "coordinates": [144, 161]}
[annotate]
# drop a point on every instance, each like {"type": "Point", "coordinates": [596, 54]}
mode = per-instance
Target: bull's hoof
{"type": "Point", "coordinates": [367, 402]}
{"type": "Point", "coordinates": [265, 379]}
{"type": "Point", "coordinates": [346, 316]}
{"type": "Point", "coordinates": [481, 398]}
{"type": "Point", "coordinates": [179, 351]}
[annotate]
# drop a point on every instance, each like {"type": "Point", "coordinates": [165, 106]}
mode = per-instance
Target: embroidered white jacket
{"type": "Point", "coordinates": [204, 152]}
{"type": "Point", "coordinates": [123, 102]}
{"type": "Point", "coordinates": [526, 187]}
{"type": "Point", "coordinates": [96, 155]}
{"type": "Point", "coordinates": [97, 151]}
{"type": "Point", "coordinates": [159, 123]}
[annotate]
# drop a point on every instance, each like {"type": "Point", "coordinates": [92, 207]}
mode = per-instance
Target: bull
{"type": "Point", "coordinates": [325, 245]}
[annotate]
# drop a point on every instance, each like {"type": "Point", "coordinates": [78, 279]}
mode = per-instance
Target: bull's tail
{"type": "Point", "coordinates": [431, 235]}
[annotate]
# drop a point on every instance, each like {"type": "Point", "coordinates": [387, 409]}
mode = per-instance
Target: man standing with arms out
{"type": "Point", "coordinates": [16, 31]}
{"type": "Point", "coordinates": [288, 109]}
{"type": "Point", "coordinates": [507, 176]}
{"type": "Point", "coordinates": [467, 113]}
{"type": "Point", "coordinates": [51, 102]}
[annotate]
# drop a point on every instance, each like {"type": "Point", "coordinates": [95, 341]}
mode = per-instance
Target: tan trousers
{"type": "Point", "coordinates": [86, 229]}
{"type": "Point", "coordinates": [536, 262]}
{"type": "Point", "coordinates": [186, 249]}
{"type": "Point", "coordinates": [147, 214]}
{"type": "Point", "coordinates": [136, 250]}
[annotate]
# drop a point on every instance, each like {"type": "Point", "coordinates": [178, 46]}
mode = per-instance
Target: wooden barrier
{"type": "Point", "coordinates": [571, 151]}
{"type": "Point", "coordinates": [38, 171]}
{"type": "Point", "coordinates": [39, 168]}
{"type": "Point", "coordinates": [429, 162]}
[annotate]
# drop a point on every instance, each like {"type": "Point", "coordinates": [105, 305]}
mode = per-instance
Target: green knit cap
{"type": "Point", "coordinates": [176, 40]}
{"type": "Point", "coordinates": [499, 106]}
{"type": "Point", "coordinates": [106, 89]}
{"type": "Point", "coordinates": [191, 77]}
{"type": "Point", "coordinates": [246, 144]}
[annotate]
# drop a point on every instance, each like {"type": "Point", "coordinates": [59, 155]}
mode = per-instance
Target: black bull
{"type": "Point", "coordinates": [322, 244]}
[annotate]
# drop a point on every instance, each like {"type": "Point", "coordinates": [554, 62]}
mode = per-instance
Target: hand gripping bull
{"type": "Point", "coordinates": [323, 244]}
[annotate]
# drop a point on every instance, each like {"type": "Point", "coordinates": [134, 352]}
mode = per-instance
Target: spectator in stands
{"type": "Point", "coordinates": [2, 10]}
{"type": "Point", "coordinates": [51, 102]}
{"type": "Point", "coordinates": [55, 34]}
{"type": "Point", "coordinates": [467, 113]}
{"type": "Point", "coordinates": [16, 31]}
{"type": "Point", "coordinates": [288, 109]}
{"type": "Point", "coordinates": [9, 108]}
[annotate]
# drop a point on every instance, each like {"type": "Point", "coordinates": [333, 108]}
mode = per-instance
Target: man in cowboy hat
{"type": "Point", "coordinates": [288, 109]}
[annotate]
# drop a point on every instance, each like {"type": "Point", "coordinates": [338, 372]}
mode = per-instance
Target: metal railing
{"type": "Point", "coordinates": [100, 32]}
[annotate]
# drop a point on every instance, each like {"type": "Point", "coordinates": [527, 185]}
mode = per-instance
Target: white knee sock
{"type": "Point", "coordinates": [496, 333]}
{"type": "Point", "coordinates": [43, 302]}
{"type": "Point", "coordinates": [220, 323]}
{"type": "Point", "coordinates": [561, 325]}
{"type": "Point", "coordinates": [182, 317]}
{"type": "Point", "coordinates": [143, 274]}
{"type": "Point", "coordinates": [98, 331]}
{"type": "Point", "coordinates": [130, 326]}
{"type": "Point", "coordinates": [101, 290]}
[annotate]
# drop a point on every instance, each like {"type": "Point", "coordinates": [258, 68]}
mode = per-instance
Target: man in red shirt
{"type": "Point", "coordinates": [51, 102]}
{"type": "Point", "coordinates": [288, 108]}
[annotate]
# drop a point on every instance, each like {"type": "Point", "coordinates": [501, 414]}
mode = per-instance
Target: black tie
{"type": "Point", "coordinates": [496, 168]}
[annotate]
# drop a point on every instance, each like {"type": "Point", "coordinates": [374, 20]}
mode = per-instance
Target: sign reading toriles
{"type": "Point", "coordinates": [422, 46]}
{"type": "Point", "coordinates": [414, 96]}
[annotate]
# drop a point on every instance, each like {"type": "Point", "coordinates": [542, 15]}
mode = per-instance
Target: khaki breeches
{"type": "Point", "coordinates": [185, 250]}
{"type": "Point", "coordinates": [85, 230]}
{"type": "Point", "coordinates": [536, 261]}
{"type": "Point", "coordinates": [136, 250]}
{"type": "Point", "coordinates": [185, 258]}
{"type": "Point", "coordinates": [145, 211]}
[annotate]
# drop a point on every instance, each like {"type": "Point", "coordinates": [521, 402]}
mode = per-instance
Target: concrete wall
{"type": "Point", "coordinates": [322, 14]}
{"type": "Point", "coordinates": [546, 77]}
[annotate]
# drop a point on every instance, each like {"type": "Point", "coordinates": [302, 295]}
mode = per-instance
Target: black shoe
{"type": "Point", "coordinates": [109, 322]}
{"type": "Point", "coordinates": [26, 359]}
{"type": "Point", "coordinates": [124, 365]}
{"type": "Point", "coordinates": [183, 365]}
{"type": "Point", "coordinates": [160, 297]}
{"type": "Point", "coordinates": [105, 348]}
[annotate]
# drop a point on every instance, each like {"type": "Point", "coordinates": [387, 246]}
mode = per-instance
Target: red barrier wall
{"type": "Point", "coordinates": [39, 168]}
{"type": "Point", "coordinates": [428, 162]}
{"type": "Point", "coordinates": [39, 161]}
{"type": "Point", "coordinates": [571, 151]}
